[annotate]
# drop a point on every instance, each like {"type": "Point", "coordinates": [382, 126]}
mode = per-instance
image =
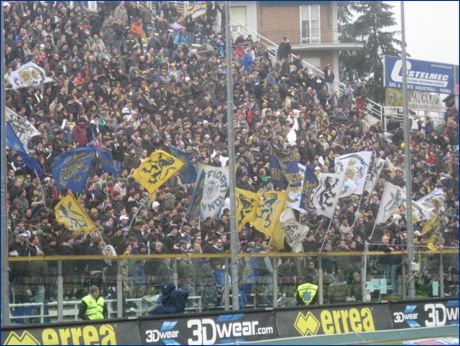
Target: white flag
{"type": "Point", "coordinates": [354, 167]}
{"type": "Point", "coordinates": [292, 135]}
{"type": "Point", "coordinates": [214, 190]}
{"type": "Point", "coordinates": [295, 232]}
{"type": "Point", "coordinates": [326, 194]}
{"type": "Point", "coordinates": [420, 212]}
{"type": "Point", "coordinates": [21, 126]}
{"type": "Point", "coordinates": [374, 175]}
{"type": "Point", "coordinates": [295, 195]}
{"type": "Point", "coordinates": [29, 75]}
{"type": "Point", "coordinates": [429, 201]}
{"type": "Point", "coordinates": [393, 196]}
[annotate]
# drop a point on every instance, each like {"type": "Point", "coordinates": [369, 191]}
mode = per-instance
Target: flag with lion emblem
{"type": "Point", "coordinates": [246, 204]}
{"type": "Point", "coordinates": [268, 211]}
{"type": "Point", "coordinates": [354, 167]}
{"type": "Point", "coordinates": [70, 214]}
{"type": "Point", "coordinates": [29, 75]}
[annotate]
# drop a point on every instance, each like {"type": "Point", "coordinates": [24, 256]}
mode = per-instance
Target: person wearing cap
{"type": "Point", "coordinates": [93, 306]}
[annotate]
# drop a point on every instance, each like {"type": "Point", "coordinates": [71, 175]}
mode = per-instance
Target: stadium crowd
{"type": "Point", "coordinates": [132, 94]}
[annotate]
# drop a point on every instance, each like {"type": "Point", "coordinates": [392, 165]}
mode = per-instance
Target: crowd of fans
{"type": "Point", "coordinates": [133, 93]}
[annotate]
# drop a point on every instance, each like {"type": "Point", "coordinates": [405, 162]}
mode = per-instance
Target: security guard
{"type": "Point", "coordinates": [93, 307]}
{"type": "Point", "coordinates": [306, 293]}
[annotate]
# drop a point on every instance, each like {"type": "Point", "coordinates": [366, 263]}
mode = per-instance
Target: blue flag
{"type": "Point", "coordinates": [70, 169]}
{"type": "Point", "coordinates": [188, 173]}
{"type": "Point", "coordinates": [13, 142]}
{"type": "Point", "coordinates": [309, 184]}
{"type": "Point", "coordinates": [193, 210]}
{"type": "Point", "coordinates": [107, 162]}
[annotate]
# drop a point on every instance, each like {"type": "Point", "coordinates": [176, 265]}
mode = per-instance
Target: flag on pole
{"type": "Point", "coordinates": [13, 142]}
{"type": "Point", "coordinates": [392, 198]}
{"type": "Point", "coordinates": [108, 164]}
{"type": "Point", "coordinates": [21, 126]}
{"type": "Point", "coordinates": [295, 195]}
{"type": "Point", "coordinates": [309, 185]}
{"type": "Point", "coordinates": [214, 190]}
{"type": "Point", "coordinates": [354, 167]}
{"type": "Point", "coordinates": [268, 211]}
{"type": "Point", "coordinates": [188, 174]}
{"type": "Point", "coordinates": [326, 195]}
{"type": "Point", "coordinates": [29, 75]}
{"type": "Point", "coordinates": [70, 214]}
{"type": "Point", "coordinates": [198, 9]}
{"type": "Point", "coordinates": [246, 204]}
{"type": "Point", "coordinates": [278, 236]}
{"type": "Point", "coordinates": [157, 170]}
{"type": "Point", "coordinates": [193, 209]}
{"type": "Point", "coordinates": [433, 200]}
{"type": "Point", "coordinates": [294, 231]}
{"type": "Point", "coordinates": [376, 170]}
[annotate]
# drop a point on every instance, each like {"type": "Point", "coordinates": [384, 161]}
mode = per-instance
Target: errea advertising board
{"type": "Point", "coordinates": [422, 75]}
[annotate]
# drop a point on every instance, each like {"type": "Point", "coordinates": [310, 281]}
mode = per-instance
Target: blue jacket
{"type": "Point", "coordinates": [172, 301]}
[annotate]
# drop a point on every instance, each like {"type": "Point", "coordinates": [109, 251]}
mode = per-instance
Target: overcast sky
{"type": "Point", "coordinates": [431, 29]}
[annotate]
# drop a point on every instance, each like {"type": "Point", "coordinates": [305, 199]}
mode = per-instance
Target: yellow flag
{"type": "Point", "coordinates": [271, 204]}
{"type": "Point", "coordinates": [430, 231]}
{"type": "Point", "coordinates": [246, 204]}
{"type": "Point", "coordinates": [69, 213]}
{"type": "Point", "coordinates": [277, 240]}
{"type": "Point", "coordinates": [157, 170]}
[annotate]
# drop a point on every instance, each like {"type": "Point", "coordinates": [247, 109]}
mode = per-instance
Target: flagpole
{"type": "Point", "coordinates": [4, 213]}
{"type": "Point", "coordinates": [407, 160]}
{"type": "Point", "coordinates": [325, 235]}
{"type": "Point", "coordinates": [231, 162]}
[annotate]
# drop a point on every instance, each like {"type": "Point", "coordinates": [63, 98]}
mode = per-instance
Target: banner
{"type": "Point", "coordinates": [108, 164]}
{"type": "Point", "coordinates": [417, 100]}
{"type": "Point", "coordinates": [198, 9]}
{"type": "Point", "coordinates": [278, 236]}
{"type": "Point", "coordinates": [393, 196]}
{"type": "Point", "coordinates": [29, 75]}
{"type": "Point", "coordinates": [434, 200]}
{"type": "Point", "coordinates": [188, 173]}
{"type": "Point", "coordinates": [70, 214]}
{"type": "Point", "coordinates": [436, 313]}
{"type": "Point", "coordinates": [214, 191]}
{"type": "Point", "coordinates": [21, 126]}
{"type": "Point", "coordinates": [246, 204]}
{"type": "Point", "coordinates": [314, 320]}
{"type": "Point", "coordinates": [13, 143]}
{"type": "Point", "coordinates": [295, 195]}
{"type": "Point", "coordinates": [289, 163]}
{"type": "Point", "coordinates": [276, 174]}
{"type": "Point", "coordinates": [420, 213]}
{"type": "Point", "coordinates": [309, 185]}
{"type": "Point", "coordinates": [193, 209]}
{"type": "Point", "coordinates": [271, 204]}
{"type": "Point", "coordinates": [209, 330]}
{"type": "Point", "coordinates": [424, 76]}
{"type": "Point", "coordinates": [77, 333]}
{"type": "Point", "coordinates": [294, 231]}
{"type": "Point", "coordinates": [157, 170]}
{"type": "Point", "coordinates": [71, 169]}
{"type": "Point", "coordinates": [376, 170]}
{"type": "Point", "coordinates": [326, 195]}
{"type": "Point", "coordinates": [354, 167]}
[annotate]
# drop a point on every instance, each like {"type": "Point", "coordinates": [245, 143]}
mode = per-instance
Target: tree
{"type": "Point", "coordinates": [367, 22]}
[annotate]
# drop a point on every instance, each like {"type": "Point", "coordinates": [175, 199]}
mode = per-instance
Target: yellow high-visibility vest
{"type": "Point", "coordinates": [307, 292]}
{"type": "Point", "coordinates": [94, 308]}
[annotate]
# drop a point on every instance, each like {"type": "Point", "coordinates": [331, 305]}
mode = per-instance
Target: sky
{"type": "Point", "coordinates": [432, 29]}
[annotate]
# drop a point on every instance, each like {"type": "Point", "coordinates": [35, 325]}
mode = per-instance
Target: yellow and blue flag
{"type": "Point", "coordinates": [198, 9]}
{"type": "Point", "coordinates": [70, 214]}
{"type": "Point", "coordinates": [188, 174]}
{"type": "Point", "coordinates": [246, 204]}
{"type": "Point", "coordinates": [157, 170]}
{"type": "Point", "coordinates": [309, 184]}
{"type": "Point", "coordinates": [268, 211]}
{"type": "Point", "coordinates": [193, 209]}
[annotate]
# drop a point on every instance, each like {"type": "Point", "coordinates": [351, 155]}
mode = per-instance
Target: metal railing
{"type": "Point", "coordinates": [373, 108]}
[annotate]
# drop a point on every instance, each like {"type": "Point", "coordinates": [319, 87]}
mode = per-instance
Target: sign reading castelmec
{"type": "Point", "coordinates": [120, 333]}
{"type": "Point", "coordinates": [423, 76]}
{"type": "Point", "coordinates": [331, 321]}
{"type": "Point", "coordinates": [220, 329]}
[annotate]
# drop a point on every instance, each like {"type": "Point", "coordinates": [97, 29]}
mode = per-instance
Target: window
{"type": "Point", "coordinates": [309, 24]}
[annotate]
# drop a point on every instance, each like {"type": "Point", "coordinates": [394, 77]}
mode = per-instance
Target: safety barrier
{"type": "Point", "coordinates": [242, 326]}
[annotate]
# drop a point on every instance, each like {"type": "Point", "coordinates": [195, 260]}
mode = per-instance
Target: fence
{"type": "Point", "coordinates": [50, 288]}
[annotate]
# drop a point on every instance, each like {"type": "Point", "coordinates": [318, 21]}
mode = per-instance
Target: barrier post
{"type": "Point", "coordinates": [275, 282]}
{"type": "Point", "coordinates": [441, 276]}
{"type": "Point", "coordinates": [175, 276]}
{"type": "Point", "coordinates": [119, 291]}
{"type": "Point", "coordinates": [320, 282]}
{"type": "Point", "coordinates": [404, 284]}
{"type": "Point", "coordinates": [60, 293]}
{"type": "Point", "coordinates": [226, 287]}
{"type": "Point", "coordinates": [364, 271]}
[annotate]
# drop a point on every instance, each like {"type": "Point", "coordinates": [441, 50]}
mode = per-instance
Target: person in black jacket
{"type": "Point", "coordinates": [172, 301]}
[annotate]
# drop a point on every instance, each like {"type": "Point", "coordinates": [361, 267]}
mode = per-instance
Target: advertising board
{"type": "Point", "coordinates": [114, 333]}
{"type": "Point", "coordinates": [422, 75]}
{"type": "Point", "coordinates": [209, 330]}
{"type": "Point", "coordinates": [331, 321]}
{"type": "Point", "coordinates": [417, 101]}
{"type": "Point", "coordinates": [424, 314]}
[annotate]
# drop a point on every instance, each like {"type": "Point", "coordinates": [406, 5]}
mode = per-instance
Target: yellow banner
{"type": "Point", "coordinates": [277, 240]}
{"type": "Point", "coordinates": [157, 170]}
{"type": "Point", "coordinates": [246, 204]}
{"type": "Point", "coordinates": [70, 214]}
{"type": "Point", "coordinates": [271, 204]}
{"type": "Point", "coordinates": [431, 232]}
{"type": "Point", "coordinates": [393, 97]}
